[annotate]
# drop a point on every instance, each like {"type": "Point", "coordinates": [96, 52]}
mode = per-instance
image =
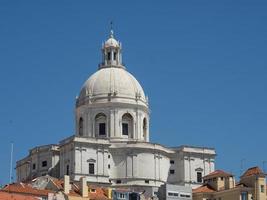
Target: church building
{"type": "Point", "coordinates": [111, 142]}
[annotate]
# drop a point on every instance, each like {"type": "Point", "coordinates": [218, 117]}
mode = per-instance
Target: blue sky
{"type": "Point", "coordinates": [203, 65]}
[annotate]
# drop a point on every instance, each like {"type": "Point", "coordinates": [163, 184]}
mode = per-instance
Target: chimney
{"type": "Point", "coordinates": [83, 187]}
{"type": "Point", "coordinates": [229, 182]}
{"type": "Point", "coordinates": [108, 192]}
{"type": "Point", "coordinates": [66, 184]}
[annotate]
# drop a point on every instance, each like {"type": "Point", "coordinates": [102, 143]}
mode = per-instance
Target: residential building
{"type": "Point", "coordinates": [174, 192]}
{"type": "Point", "coordinates": [221, 185]}
{"type": "Point", "coordinates": [125, 194]}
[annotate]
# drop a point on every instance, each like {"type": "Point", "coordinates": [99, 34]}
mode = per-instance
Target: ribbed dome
{"type": "Point", "coordinates": [114, 83]}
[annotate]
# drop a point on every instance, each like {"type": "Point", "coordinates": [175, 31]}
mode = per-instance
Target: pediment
{"type": "Point", "coordinates": [199, 169]}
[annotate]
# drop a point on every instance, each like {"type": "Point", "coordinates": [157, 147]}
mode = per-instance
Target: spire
{"type": "Point", "coordinates": [111, 30]}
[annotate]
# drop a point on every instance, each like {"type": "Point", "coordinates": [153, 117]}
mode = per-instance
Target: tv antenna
{"type": "Point", "coordinates": [242, 164]}
{"type": "Point", "coordinates": [11, 163]}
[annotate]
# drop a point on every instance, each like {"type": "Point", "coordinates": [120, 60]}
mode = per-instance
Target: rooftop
{"type": "Point", "coordinates": [217, 173]}
{"type": "Point", "coordinates": [203, 189]}
{"type": "Point", "coordinates": [11, 196]}
{"type": "Point", "coordinates": [253, 171]}
{"type": "Point", "coordinates": [22, 188]}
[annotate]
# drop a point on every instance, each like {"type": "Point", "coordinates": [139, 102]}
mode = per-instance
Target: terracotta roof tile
{"type": "Point", "coordinates": [58, 183]}
{"type": "Point", "coordinates": [217, 173]}
{"type": "Point", "coordinates": [12, 196]}
{"type": "Point", "coordinates": [203, 189]}
{"type": "Point", "coordinates": [98, 195]}
{"type": "Point", "coordinates": [21, 188]}
{"type": "Point", "coordinates": [253, 171]}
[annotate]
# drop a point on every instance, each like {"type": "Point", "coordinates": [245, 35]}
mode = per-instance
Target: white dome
{"type": "Point", "coordinates": [113, 83]}
{"type": "Point", "coordinates": [111, 42]}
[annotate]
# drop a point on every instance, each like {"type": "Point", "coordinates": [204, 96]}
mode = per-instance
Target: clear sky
{"type": "Point", "coordinates": [203, 65]}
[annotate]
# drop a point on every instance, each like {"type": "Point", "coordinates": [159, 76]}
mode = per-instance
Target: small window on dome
{"type": "Point", "coordinates": [102, 129]}
{"type": "Point", "coordinates": [109, 56]}
{"type": "Point", "coordinates": [81, 127]}
{"type": "Point", "coordinates": [127, 125]}
{"type": "Point", "coordinates": [144, 128]}
{"type": "Point", "coordinates": [125, 129]}
{"type": "Point", "coordinates": [114, 56]}
{"type": "Point", "coordinates": [100, 125]}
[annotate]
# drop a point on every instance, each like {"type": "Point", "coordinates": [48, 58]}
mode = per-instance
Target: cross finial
{"type": "Point", "coordinates": [111, 29]}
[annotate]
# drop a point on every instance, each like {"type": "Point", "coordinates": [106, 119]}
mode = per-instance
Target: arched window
{"type": "Point", "coordinates": [100, 124]}
{"type": "Point", "coordinates": [109, 55]}
{"type": "Point", "coordinates": [144, 128]}
{"type": "Point", "coordinates": [81, 127]}
{"type": "Point", "coordinates": [127, 125]}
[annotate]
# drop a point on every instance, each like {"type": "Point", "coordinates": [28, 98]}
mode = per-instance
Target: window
{"type": "Point", "coordinates": [67, 170]}
{"type": "Point", "coordinates": [100, 124]}
{"type": "Point", "coordinates": [33, 166]}
{"type": "Point", "coordinates": [114, 56]}
{"type": "Point", "coordinates": [93, 190]}
{"type": "Point", "coordinates": [144, 128]}
{"type": "Point", "coordinates": [185, 195]}
{"type": "Point", "coordinates": [102, 129]}
{"type": "Point", "coordinates": [109, 166]}
{"type": "Point", "coordinates": [199, 177]}
{"type": "Point", "coordinates": [244, 196]}
{"type": "Point", "coordinates": [81, 126]}
{"type": "Point", "coordinates": [122, 196]}
{"type": "Point", "coordinates": [171, 161]}
{"type": "Point", "coordinates": [108, 156]}
{"type": "Point", "coordinates": [127, 125]}
{"type": "Point", "coordinates": [109, 56]}
{"type": "Point", "coordinates": [172, 171]}
{"type": "Point", "coordinates": [146, 181]}
{"type": "Point", "coordinates": [118, 181]}
{"type": "Point", "coordinates": [124, 129]}
{"type": "Point", "coordinates": [262, 188]}
{"type": "Point", "coordinates": [91, 168]}
{"type": "Point", "coordinates": [173, 194]}
{"type": "Point", "coordinates": [44, 163]}
{"type": "Point", "coordinates": [221, 178]}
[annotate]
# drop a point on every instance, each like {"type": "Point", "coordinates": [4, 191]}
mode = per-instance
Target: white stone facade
{"type": "Point", "coordinates": [41, 161]}
{"type": "Point", "coordinates": [111, 142]}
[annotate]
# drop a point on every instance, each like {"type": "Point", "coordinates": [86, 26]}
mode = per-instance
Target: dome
{"type": "Point", "coordinates": [115, 84]}
{"type": "Point", "coordinates": [111, 42]}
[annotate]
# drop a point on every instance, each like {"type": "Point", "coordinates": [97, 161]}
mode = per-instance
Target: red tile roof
{"type": "Point", "coordinates": [217, 173]}
{"type": "Point", "coordinates": [98, 195]}
{"type": "Point", "coordinates": [58, 183]}
{"type": "Point", "coordinates": [12, 196]}
{"type": "Point", "coordinates": [253, 171]}
{"type": "Point", "coordinates": [203, 189]}
{"type": "Point", "coordinates": [22, 188]}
